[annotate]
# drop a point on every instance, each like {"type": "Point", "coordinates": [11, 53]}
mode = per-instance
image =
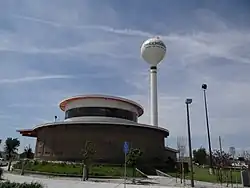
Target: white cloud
{"type": "Point", "coordinates": [28, 105]}
{"type": "Point", "coordinates": [104, 28]}
{"type": "Point", "coordinates": [189, 63]}
{"type": "Point", "coordinates": [37, 78]}
{"type": "Point", "coordinates": [192, 47]}
{"type": "Point", "coordinates": [41, 120]}
{"type": "Point", "coordinates": [5, 116]}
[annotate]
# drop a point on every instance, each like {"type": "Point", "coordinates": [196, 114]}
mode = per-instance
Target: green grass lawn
{"type": "Point", "coordinates": [76, 169]}
{"type": "Point", "coordinates": [202, 174]}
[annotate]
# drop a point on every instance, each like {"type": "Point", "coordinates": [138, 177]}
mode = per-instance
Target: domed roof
{"type": "Point", "coordinates": [64, 102]}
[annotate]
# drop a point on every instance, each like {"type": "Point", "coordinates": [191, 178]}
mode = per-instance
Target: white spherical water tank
{"type": "Point", "coordinates": [153, 51]}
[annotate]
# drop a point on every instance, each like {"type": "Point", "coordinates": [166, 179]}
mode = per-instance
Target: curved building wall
{"type": "Point", "coordinates": [101, 111]}
{"type": "Point", "coordinates": [101, 103]}
{"type": "Point", "coordinates": [65, 142]}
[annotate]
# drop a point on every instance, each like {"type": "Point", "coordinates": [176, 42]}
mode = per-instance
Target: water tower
{"type": "Point", "coordinates": [153, 52]}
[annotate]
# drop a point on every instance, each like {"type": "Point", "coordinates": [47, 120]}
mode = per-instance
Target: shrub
{"type": "Point", "coordinates": [73, 168]}
{"type": "Point", "coordinates": [20, 185]}
{"type": "Point", "coordinates": [18, 165]}
{"type": "Point", "coordinates": [62, 164]}
{"type": "Point", "coordinates": [44, 163]}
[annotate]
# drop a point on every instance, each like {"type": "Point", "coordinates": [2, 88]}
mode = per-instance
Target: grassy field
{"type": "Point", "coordinates": [76, 169]}
{"type": "Point", "coordinates": [202, 174]}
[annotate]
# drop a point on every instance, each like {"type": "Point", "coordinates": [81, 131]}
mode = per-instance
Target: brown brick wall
{"type": "Point", "coordinates": [65, 142]}
{"type": "Point", "coordinates": [171, 154]}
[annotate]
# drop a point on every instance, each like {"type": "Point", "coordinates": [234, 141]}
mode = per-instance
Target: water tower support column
{"type": "Point", "coordinates": [153, 96]}
{"type": "Point", "coordinates": [153, 51]}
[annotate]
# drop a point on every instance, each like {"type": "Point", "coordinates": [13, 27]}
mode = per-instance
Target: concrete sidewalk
{"type": "Point", "coordinates": [153, 182]}
{"type": "Point", "coordinates": [62, 183]}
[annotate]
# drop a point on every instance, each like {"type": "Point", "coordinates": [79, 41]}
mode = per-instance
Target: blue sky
{"type": "Point", "coordinates": [50, 50]}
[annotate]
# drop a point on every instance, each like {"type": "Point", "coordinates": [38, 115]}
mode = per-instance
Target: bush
{"type": "Point", "coordinates": [36, 162]}
{"type": "Point", "coordinates": [20, 185]}
{"type": "Point", "coordinates": [44, 163]}
{"type": "Point", "coordinates": [1, 173]}
{"type": "Point", "coordinates": [74, 168]}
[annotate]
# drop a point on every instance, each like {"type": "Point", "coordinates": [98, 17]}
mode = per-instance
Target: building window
{"type": "Point", "coordinates": [101, 111]}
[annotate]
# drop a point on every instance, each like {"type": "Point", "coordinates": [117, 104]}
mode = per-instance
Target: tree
{"type": "Point", "coordinates": [246, 155]}
{"type": "Point", "coordinates": [221, 160]}
{"type": "Point", "coordinates": [133, 157]}
{"type": "Point", "coordinates": [28, 153]}
{"type": "Point", "coordinates": [10, 148]}
{"type": "Point", "coordinates": [200, 156]}
{"type": "Point", "coordinates": [88, 153]}
{"type": "Point", "coordinates": [181, 145]}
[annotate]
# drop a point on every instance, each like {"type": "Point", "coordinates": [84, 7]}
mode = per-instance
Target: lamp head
{"type": "Point", "coordinates": [188, 101]}
{"type": "Point", "coordinates": [204, 86]}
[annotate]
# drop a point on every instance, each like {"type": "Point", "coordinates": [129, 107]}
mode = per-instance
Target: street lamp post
{"type": "Point", "coordinates": [204, 87]}
{"type": "Point", "coordinates": [189, 101]}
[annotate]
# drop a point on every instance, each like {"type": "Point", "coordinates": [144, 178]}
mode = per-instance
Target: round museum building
{"type": "Point", "coordinates": [105, 121]}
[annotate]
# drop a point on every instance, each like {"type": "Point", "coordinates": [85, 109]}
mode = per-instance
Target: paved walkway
{"type": "Point", "coordinates": [53, 183]}
{"type": "Point", "coordinates": [153, 182]}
